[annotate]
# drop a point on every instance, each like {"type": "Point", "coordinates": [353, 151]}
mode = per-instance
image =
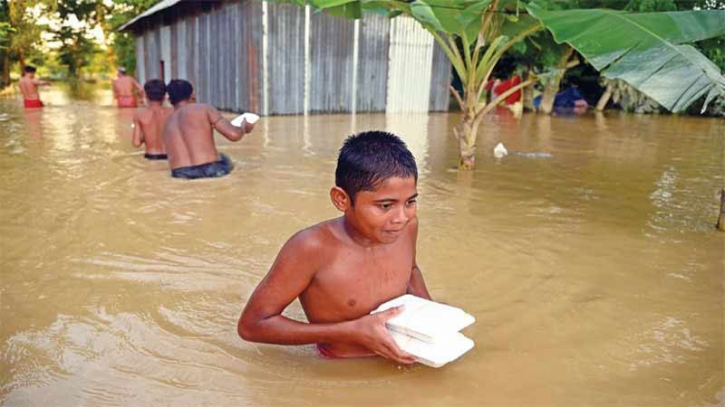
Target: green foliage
{"type": "Point", "coordinates": [646, 6]}
{"type": "Point", "coordinates": [629, 98]}
{"type": "Point", "coordinates": [645, 50]}
{"type": "Point", "coordinates": [124, 49]}
{"type": "Point", "coordinates": [5, 30]}
{"type": "Point", "coordinates": [714, 50]}
{"type": "Point", "coordinates": [642, 49]}
{"type": "Point", "coordinates": [123, 43]}
{"type": "Point", "coordinates": [25, 37]}
{"type": "Point", "coordinates": [76, 49]}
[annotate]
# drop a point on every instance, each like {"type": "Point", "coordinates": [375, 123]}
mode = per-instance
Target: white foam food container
{"type": "Point", "coordinates": [424, 319]}
{"type": "Point", "coordinates": [250, 118]}
{"type": "Point", "coordinates": [446, 349]}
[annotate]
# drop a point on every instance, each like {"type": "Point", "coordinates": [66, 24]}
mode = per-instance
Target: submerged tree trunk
{"type": "Point", "coordinates": [549, 95]}
{"type": "Point", "coordinates": [721, 219]}
{"type": "Point", "coordinates": [5, 75]}
{"type": "Point", "coordinates": [466, 132]}
{"type": "Point", "coordinates": [602, 103]}
{"type": "Point", "coordinates": [528, 94]}
{"type": "Point", "coordinates": [551, 88]}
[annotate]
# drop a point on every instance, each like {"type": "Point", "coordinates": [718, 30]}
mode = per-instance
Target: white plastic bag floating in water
{"type": "Point", "coordinates": [429, 330]}
{"type": "Point", "coordinates": [500, 151]}
{"type": "Point", "coordinates": [250, 118]}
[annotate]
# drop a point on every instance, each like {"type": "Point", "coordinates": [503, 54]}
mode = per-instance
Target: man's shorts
{"type": "Point", "coordinates": [126, 101]}
{"type": "Point", "coordinates": [33, 103]}
{"type": "Point", "coordinates": [209, 170]}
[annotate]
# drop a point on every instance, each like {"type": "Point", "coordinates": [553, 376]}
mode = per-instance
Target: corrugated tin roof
{"type": "Point", "coordinates": [162, 5]}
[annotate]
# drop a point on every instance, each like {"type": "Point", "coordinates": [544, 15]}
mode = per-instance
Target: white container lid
{"type": "Point", "coordinates": [446, 349]}
{"type": "Point", "coordinates": [424, 319]}
{"type": "Point", "coordinates": [250, 118]}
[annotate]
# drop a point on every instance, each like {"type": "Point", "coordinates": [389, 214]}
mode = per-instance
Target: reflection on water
{"type": "Point", "coordinates": [595, 275]}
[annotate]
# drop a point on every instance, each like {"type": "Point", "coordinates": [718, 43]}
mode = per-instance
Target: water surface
{"type": "Point", "coordinates": [595, 275]}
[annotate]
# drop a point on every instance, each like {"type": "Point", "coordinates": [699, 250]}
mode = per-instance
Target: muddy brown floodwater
{"type": "Point", "coordinates": [595, 274]}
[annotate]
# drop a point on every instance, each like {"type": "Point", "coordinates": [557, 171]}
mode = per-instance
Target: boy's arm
{"type": "Point", "coordinates": [39, 82]}
{"type": "Point", "coordinates": [223, 126]}
{"type": "Point", "coordinates": [291, 273]}
{"type": "Point", "coordinates": [137, 134]}
{"type": "Point", "coordinates": [139, 89]}
{"type": "Point", "coordinates": [416, 285]}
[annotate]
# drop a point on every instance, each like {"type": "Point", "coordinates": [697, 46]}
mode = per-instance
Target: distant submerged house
{"type": "Point", "coordinates": [271, 58]}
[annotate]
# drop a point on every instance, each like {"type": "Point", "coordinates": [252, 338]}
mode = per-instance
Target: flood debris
{"type": "Point", "coordinates": [500, 151]}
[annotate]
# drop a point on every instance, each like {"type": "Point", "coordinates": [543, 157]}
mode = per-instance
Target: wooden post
{"type": "Point", "coordinates": [602, 103]}
{"type": "Point", "coordinates": [721, 220]}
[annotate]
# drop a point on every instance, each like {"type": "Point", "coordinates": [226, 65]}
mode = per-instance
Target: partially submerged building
{"type": "Point", "coordinates": [272, 58]}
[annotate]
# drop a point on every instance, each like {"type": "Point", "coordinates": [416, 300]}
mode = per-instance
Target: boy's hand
{"type": "Point", "coordinates": [375, 336]}
{"type": "Point", "coordinates": [248, 127]}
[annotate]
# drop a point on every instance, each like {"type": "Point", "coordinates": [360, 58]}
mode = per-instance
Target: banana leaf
{"type": "Point", "coordinates": [647, 50]}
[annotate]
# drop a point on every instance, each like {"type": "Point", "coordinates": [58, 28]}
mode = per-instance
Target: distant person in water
{"type": "Point", "coordinates": [189, 135]}
{"type": "Point", "coordinates": [124, 87]}
{"type": "Point", "coordinates": [341, 269]}
{"type": "Point", "coordinates": [29, 87]}
{"type": "Point", "coordinates": [149, 121]}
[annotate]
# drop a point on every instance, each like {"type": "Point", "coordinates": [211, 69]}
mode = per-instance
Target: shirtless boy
{"type": "Point", "coordinates": [149, 121]}
{"type": "Point", "coordinates": [29, 87]}
{"type": "Point", "coordinates": [342, 269]}
{"type": "Point", "coordinates": [189, 135]}
{"type": "Point", "coordinates": [123, 89]}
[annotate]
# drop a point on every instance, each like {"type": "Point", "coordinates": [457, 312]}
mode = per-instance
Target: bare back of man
{"type": "Point", "coordinates": [149, 128]}
{"type": "Point", "coordinates": [28, 88]}
{"type": "Point", "coordinates": [123, 91]}
{"type": "Point", "coordinates": [189, 140]}
{"type": "Point", "coordinates": [189, 136]}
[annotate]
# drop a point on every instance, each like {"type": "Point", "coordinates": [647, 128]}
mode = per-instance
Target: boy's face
{"type": "Point", "coordinates": [382, 215]}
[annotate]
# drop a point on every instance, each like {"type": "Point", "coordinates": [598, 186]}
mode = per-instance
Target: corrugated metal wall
{"type": "Point", "coordinates": [440, 81]}
{"type": "Point", "coordinates": [314, 62]}
{"type": "Point", "coordinates": [409, 73]}
{"type": "Point", "coordinates": [331, 54]}
{"type": "Point", "coordinates": [249, 46]}
{"type": "Point", "coordinates": [165, 36]}
{"type": "Point", "coordinates": [372, 77]}
{"type": "Point", "coordinates": [140, 58]}
{"type": "Point", "coordinates": [286, 59]}
{"type": "Point", "coordinates": [192, 50]}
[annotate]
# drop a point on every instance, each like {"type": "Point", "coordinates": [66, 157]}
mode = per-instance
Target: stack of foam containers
{"type": "Point", "coordinates": [429, 330]}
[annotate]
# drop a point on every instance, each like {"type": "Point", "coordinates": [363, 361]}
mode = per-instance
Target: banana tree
{"type": "Point", "coordinates": [647, 50]}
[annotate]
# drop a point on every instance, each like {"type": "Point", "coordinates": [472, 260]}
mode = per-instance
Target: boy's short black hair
{"type": "Point", "coordinates": [155, 89]}
{"type": "Point", "coordinates": [179, 90]}
{"type": "Point", "coordinates": [29, 69]}
{"type": "Point", "coordinates": [371, 157]}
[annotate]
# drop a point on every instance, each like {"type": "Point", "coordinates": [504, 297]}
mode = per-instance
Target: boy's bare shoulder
{"type": "Point", "coordinates": [315, 239]}
{"type": "Point", "coordinates": [195, 110]}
